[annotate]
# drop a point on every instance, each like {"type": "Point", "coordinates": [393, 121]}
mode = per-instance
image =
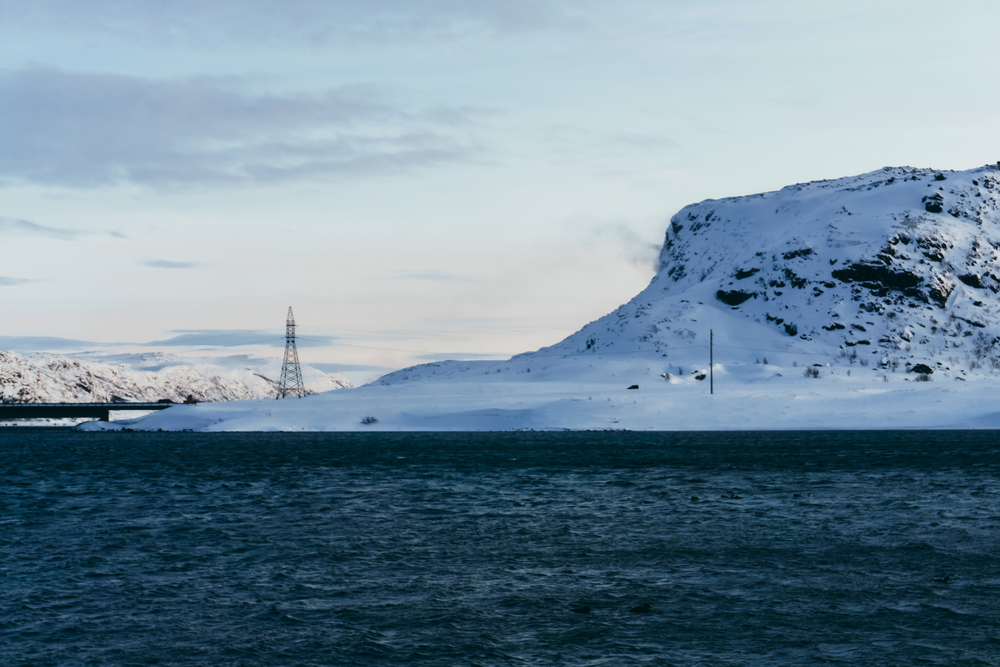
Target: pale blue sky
{"type": "Point", "coordinates": [433, 177]}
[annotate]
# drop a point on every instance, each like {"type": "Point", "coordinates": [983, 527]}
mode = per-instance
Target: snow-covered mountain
{"type": "Point", "coordinates": [51, 378]}
{"type": "Point", "coordinates": [899, 263]}
{"type": "Point", "coordinates": [862, 302]}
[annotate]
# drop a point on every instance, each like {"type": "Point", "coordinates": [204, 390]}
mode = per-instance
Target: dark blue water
{"type": "Point", "coordinates": [474, 549]}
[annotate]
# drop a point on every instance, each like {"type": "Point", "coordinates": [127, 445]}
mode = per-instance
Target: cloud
{"type": "Point", "coordinates": [44, 343]}
{"type": "Point", "coordinates": [459, 356]}
{"type": "Point", "coordinates": [641, 140]}
{"type": "Point", "coordinates": [575, 143]}
{"type": "Point", "coordinates": [6, 282]}
{"type": "Point", "coordinates": [90, 130]}
{"type": "Point", "coordinates": [637, 249]}
{"type": "Point", "coordinates": [208, 338]}
{"type": "Point", "coordinates": [167, 264]}
{"type": "Point", "coordinates": [26, 228]}
{"type": "Point", "coordinates": [303, 22]}
{"type": "Point", "coordinates": [435, 276]}
{"type": "Point", "coordinates": [340, 368]}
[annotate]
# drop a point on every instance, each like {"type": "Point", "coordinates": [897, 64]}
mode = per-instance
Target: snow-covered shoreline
{"type": "Point", "coordinates": [747, 396]}
{"type": "Point", "coordinates": [787, 408]}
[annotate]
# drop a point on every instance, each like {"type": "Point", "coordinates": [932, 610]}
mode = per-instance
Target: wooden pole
{"type": "Point", "coordinates": [711, 363]}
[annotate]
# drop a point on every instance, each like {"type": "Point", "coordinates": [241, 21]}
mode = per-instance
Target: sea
{"type": "Point", "coordinates": [524, 548]}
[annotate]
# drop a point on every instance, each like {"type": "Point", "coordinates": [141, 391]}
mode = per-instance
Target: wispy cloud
{"type": "Point", "coordinates": [340, 368]}
{"type": "Point", "coordinates": [194, 338]}
{"type": "Point", "coordinates": [6, 282]}
{"type": "Point", "coordinates": [167, 264]}
{"type": "Point", "coordinates": [44, 343]}
{"type": "Point", "coordinates": [458, 356]}
{"type": "Point", "coordinates": [209, 338]}
{"type": "Point", "coordinates": [641, 140]}
{"type": "Point", "coordinates": [303, 22]}
{"type": "Point", "coordinates": [576, 142]}
{"type": "Point", "coordinates": [637, 249]}
{"type": "Point", "coordinates": [28, 228]}
{"type": "Point", "coordinates": [91, 130]}
{"type": "Point", "coordinates": [435, 276]}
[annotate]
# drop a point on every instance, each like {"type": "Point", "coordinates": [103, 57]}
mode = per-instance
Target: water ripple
{"type": "Point", "coordinates": [475, 549]}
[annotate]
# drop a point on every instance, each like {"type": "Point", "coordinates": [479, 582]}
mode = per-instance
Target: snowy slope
{"type": "Point", "coordinates": [872, 282]}
{"type": "Point", "coordinates": [898, 265]}
{"type": "Point", "coordinates": [51, 378]}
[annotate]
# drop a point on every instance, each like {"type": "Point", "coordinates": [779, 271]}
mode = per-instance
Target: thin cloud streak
{"type": "Point", "coordinates": [45, 343]}
{"type": "Point", "coordinates": [222, 338]}
{"type": "Point", "coordinates": [7, 282]}
{"type": "Point", "coordinates": [28, 228]}
{"type": "Point", "coordinates": [433, 276]}
{"type": "Point", "coordinates": [167, 264]}
{"type": "Point", "coordinates": [638, 250]}
{"type": "Point", "coordinates": [338, 368]}
{"type": "Point", "coordinates": [458, 356]}
{"type": "Point", "coordinates": [300, 22]}
{"type": "Point", "coordinates": [94, 130]}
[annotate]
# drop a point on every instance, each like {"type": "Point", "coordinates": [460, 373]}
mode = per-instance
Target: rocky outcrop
{"type": "Point", "coordinates": [887, 244]}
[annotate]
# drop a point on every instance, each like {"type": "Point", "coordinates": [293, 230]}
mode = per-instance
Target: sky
{"type": "Point", "coordinates": [429, 179]}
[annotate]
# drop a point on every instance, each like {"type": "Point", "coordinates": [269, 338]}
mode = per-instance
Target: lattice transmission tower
{"type": "Point", "coordinates": [291, 383]}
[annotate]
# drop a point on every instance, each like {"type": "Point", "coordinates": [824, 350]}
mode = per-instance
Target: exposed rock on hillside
{"type": "Point", "coordinates": [884, 252]}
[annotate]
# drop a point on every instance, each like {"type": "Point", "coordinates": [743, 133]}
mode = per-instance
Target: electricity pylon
{"type": "Point", "coordinates": [291, 383]}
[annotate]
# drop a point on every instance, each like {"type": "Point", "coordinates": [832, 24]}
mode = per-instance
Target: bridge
{"type": "Point", "coordinates": [101, 411]}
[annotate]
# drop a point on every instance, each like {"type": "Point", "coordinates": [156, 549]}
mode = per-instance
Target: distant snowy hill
{"type": "Point", "coordinates": [830, 303]}
{"type": "Point", "coordinates": [46, 378]}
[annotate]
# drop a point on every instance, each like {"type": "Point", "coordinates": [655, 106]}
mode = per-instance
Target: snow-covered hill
{"type": "Point", "coordinates": [895, 267]}
{"type": "Point", "coordinates": [51, 378]}
{"type": "Point", "coordinates": [829, 303]}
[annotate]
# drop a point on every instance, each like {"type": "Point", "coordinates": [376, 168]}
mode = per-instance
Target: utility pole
{"type": "Point", "coordinates": [291, 383]}
{"type": "Point", "coordinates": [711, 363]}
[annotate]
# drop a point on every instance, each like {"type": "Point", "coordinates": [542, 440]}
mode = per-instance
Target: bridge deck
{"type": "Point", "coordinates": [100, 411]}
